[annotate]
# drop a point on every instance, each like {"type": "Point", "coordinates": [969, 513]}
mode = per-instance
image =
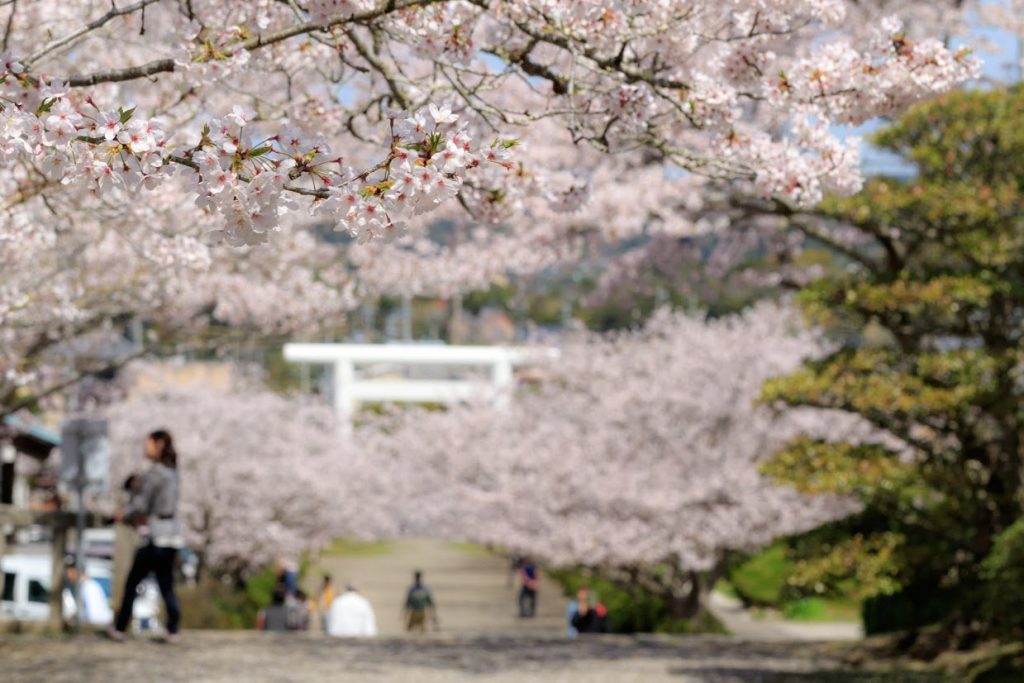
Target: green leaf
{"type": "Point", "coordinates": [126, 114]}
{"type": "Point", "coordinates": [46, 105]}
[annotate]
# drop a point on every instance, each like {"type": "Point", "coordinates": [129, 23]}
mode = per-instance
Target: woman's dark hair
{"type": "Point", "coordinates": [168, 456]}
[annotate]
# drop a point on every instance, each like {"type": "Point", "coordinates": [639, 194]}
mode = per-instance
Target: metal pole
{"type": "Point", "coordinates": [57, 574]}
{"type": "Point", "coordinates": [79, 534]}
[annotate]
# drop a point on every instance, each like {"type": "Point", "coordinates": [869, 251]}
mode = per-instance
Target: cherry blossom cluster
{"type": "Point", "coordinates": [325, 11]}
{"type": "Point", "coordinates": [429, 161]}
{"type": "Point", "coordinates": [246, 176]}
{"type": "Point", "coordinates": [739, 75]}
{"type": "Point", "coordinates": [208, 56]}
{"type": "Point", "coordinates": [249, 180]}
{"type": "Point", "coordinates": [632, 106]}
{"type": "Point", "coordinates": [442, 31]}
{"type": "Point", "coordinates": [71, 139]}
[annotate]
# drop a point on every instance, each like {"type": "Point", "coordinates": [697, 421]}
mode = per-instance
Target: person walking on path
{"type": "Point", "coordinates": [529, 577]}
{"type": "Point", "coordinates": [155, 509]}
{"type": "Point", "coordinates": [418, 602]}
{"type": "Point", "coordinates": [351, 616]}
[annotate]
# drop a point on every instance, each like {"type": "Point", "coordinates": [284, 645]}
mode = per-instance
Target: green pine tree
{"type": "Point", "coordinates": [937, 277]}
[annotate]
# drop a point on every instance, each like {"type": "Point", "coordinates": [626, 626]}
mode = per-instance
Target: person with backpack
{"type": "Point", "coordinates": [419, 601]}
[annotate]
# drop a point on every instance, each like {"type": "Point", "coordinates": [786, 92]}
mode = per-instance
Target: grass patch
{"type": "Point", "coordinates": [818, 609]}
{"type": "Point", "coordinates": [727, 589]}
{"type": "Point", "coordinates": [760, 582]}
{"type": "Point", "coordinates": [761, 579]}
{"type": "Point", "coordinates": [471, 548]}
{"type": "Point", "coordinates": [214, 604]}
{"type": "Point", "coordinates": [352, 547]}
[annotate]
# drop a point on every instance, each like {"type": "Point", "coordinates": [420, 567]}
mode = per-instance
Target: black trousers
{"type": "Point", "coordinates": [527, 602]}
{"type": "Point", "coordinates": [159, 561]}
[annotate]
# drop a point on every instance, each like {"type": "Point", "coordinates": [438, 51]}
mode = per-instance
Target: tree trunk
{"type": "Point", "coordinates": [686, 601]}
{"type": "Point", "coordinates": [689, 599]}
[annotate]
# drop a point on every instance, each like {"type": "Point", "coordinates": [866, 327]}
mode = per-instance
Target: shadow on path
{"type": "Point", "coordinates": [232, 656]}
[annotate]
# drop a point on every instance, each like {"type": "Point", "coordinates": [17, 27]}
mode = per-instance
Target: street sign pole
{"type": "Point", "coordinates": [84, 449]}
{"type": "Point", "coordinates": [79, 535]}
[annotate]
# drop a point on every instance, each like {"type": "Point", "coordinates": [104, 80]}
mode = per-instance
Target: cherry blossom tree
{"type": "Point", "coordinates": [145, 141]}
{"type": "Point", "coordinates": [372, 112]}
{"type": "Point", "coordinates": [72, 285]}
{"type": "Point", "coordinates": [261, 474]}
{"type": "Point", "coordinates": [636, 456]}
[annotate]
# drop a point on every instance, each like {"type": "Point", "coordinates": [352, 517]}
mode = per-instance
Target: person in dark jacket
{"type": "Point", "coordinates": [589, 618]}
{"type": "Point", "coordinates": [529, 578]}
{"type": "Point", "coordinates": [154, 511]}
{"type": "Point", "coordinates": [419, 602]}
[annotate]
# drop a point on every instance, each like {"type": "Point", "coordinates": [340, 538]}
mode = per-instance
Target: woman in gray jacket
{"type": "Point", "coordinates": [154, 509]}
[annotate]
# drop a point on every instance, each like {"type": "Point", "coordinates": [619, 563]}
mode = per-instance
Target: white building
{"type": "Point", "coordinates": [413, 373]}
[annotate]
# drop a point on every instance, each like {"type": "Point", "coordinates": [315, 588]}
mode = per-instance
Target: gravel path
{"type": "Point", "coordinates": [220, 657]}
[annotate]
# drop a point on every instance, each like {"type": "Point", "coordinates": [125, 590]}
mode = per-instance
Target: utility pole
{"type": "Point", "coordinates": [84, 446]}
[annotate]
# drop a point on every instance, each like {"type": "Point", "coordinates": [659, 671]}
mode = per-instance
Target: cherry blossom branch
{"type": "Point", "coordinates": [33, 400]}
{"type": "Point", "coordinates": [805, 223]}
{"type": "Point", "coordinates": [400, 99]}
{"type": "Point", "coordinates": [91, 26]}
{"type": "Point", "coordinates": [616, 63]}
{"type": "Point", "coordinates": [9, 25]}
{"type": "Point", "coordinates": [169, 65]}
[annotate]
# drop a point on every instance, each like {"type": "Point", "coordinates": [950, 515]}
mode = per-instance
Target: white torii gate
{"type": "Point", "coordinates": [349, 389]}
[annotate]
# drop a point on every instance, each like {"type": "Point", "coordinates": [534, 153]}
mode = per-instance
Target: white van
{"type": "Point", "coordinates": [25, 589]}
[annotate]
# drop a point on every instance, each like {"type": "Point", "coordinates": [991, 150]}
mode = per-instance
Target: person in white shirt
{"type": "Point", "coordinates": [95, 607]}
{"type": "Point", "coordinates": [351, 616]}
